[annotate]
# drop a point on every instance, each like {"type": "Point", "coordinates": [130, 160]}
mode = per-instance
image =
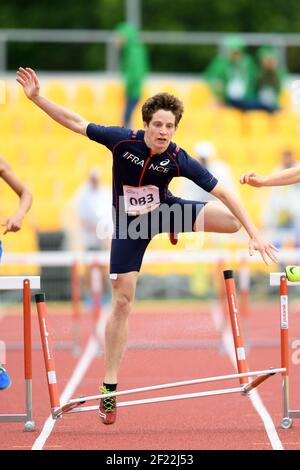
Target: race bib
{"type": "Point", "coordinates": [140, 200]}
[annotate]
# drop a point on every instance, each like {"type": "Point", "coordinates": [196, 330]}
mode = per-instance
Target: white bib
{"type": "Point", "coordinates": [140, 200]}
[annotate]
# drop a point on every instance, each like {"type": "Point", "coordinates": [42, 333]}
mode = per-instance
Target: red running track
{"type": "Point", "coordinates": [224, 422]}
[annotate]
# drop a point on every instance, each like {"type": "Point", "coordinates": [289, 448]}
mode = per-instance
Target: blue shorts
{"type": "Point", "coordinates": [133, 233]}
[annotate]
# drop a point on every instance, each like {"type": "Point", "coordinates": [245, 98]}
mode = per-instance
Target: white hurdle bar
{"type": "Point", "coordinates": [71, 406]}
{"type": "Point", "coordinates": [24, 283]}
{"type": "Point", "coordinates": [275, 280]}
{"type": "Point", "coordinates": [16, 282]}
{"type": "Point", "coordinates": [280, 280]}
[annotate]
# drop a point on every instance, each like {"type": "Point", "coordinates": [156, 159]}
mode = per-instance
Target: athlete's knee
{"type": "Point", "coordinates": [122, 302]}
{"type": "Point", "coordinates": [235, 224]}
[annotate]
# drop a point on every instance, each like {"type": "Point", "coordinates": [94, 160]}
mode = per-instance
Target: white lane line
{"type": "Point", "coordinates": [227, 342]}
{"type": "Point", "coordinates": [90, 352]}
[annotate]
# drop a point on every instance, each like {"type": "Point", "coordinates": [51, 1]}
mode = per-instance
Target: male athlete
{"type": "Point", "coordinates": [144, 163]}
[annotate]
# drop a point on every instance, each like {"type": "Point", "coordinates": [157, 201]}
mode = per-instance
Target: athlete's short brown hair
{"type": "Point", "coordinates": [162, 101]}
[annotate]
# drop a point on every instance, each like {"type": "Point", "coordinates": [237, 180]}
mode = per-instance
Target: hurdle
{"type": "Point", "coordinates": [25, 284]}
{"type": "Point", "coordinates": [75, 405]}
{"type": "Point", "coordinates": [280, 280]}
{"type": "Point", "coordinates": [73, 261]}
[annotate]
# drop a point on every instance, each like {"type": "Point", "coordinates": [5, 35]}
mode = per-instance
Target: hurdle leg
{"type": "Point", "coordinates": [237, 332]}
{"type": "Point", "coordinates": [96, 284]}
{"type": "Point", "coordinates": [76, 309]}
{"type": "Point", "coordinates": [287, 421]}
{"type": "Point", "coordinates": [29, 424]}
{"type": "Point", "coordinates": [244, 284]}
{"type": "Point", "coordinates": [48, 353]}
{"type": "Point", "coordinates": [96, 290]}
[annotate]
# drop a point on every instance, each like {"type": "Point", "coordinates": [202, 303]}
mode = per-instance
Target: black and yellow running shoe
{"type": "Point", "coordinates": [108, 407]}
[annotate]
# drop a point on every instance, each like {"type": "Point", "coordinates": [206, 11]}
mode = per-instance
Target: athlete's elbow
{"type": "Point", "coordinates": [80, 128]}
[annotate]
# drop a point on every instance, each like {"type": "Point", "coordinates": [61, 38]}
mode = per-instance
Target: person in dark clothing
{"type": "Point", "coordinates": [269, 79]}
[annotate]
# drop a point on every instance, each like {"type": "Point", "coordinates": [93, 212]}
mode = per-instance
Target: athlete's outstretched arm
{"type": "Point", "coordinates": [14, 222]}
{"type": "Point", "coordinates": [280, 178]}
{"type": "Point", "coordinates": [67, 118]}
{"type": "Point", "coordinates": [256, 242]}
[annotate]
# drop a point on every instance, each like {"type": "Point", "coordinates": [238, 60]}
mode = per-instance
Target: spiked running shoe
{"type": "Point", "coordinates": [293, 273]}
{"type": "Point", "coordinates": [107, 408]}
{"type": "Point", "coordinates": [5, 381]}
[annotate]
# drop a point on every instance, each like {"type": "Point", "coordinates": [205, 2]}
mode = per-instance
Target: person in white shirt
{"type": "Point", "coordinates": [206, 153]}
{"type": "Point", "coordinates": [93, 206]}
{"type": "Point", "coordinates": [92, 203]}
{"type": "Point", "coordinates": [281, 215]}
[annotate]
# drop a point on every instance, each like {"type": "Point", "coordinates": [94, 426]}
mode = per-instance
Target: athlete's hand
{"type": "Point", "coordinates": [253, 179]}
{"type": "Point", "coordinates": [29, 81]}
{"type": "Point", "coordinates": [267, 250]}
{"type": "Point", "coordinates": [12, 224]}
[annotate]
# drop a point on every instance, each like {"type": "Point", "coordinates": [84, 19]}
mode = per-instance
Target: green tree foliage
{"type": "Point", "coordinates": [157, 15]}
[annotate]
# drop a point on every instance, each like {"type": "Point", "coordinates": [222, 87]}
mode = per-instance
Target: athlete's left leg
{"type": "Point", "coordinates": [215, 217]}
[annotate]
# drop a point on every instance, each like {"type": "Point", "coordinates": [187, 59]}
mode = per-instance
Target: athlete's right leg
{"type": "Point", "coordinates": [116, 332]}
{"type": "Point", "coordinates": [126, 259]}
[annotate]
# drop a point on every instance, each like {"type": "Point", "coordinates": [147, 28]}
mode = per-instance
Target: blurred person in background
{"type": "Point", "coordinates": [92, 202]}
{"type": "Point", "coordinates": [133, 66]}
{"type": "Point", "coordinates": [232, 75]}
{"type": "Point", "coordinates": [13, 224]}
{"type": "Point", "coordinates": [282, 213]}
{"type": "Point", "coordinates": [206, 154]}
{"type": "Point", "coordinates": [269, 79]}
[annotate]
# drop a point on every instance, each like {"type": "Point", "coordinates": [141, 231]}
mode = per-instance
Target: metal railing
{"type": "Point", "coordinates": [107, 37]}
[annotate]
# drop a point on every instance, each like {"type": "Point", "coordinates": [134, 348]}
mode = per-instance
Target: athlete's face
{"type": "Point", "coordinates": [160, 130]}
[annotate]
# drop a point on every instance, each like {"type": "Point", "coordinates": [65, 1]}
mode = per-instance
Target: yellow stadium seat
{"type": "Point", "coordinates": [286, 124]}
{"type": "Point", "coordinates": [6, 94]}
{"type": "Point", "coordinates": [158, 86]}
{"type": "Point", "coordinates": [112, 95]}
{"type": "Point", "coordinates": [197, 125]}
{"type": "Point", "coordinates": [257, 124]}
{"type": "Point", "coordinates": [263, 155]}
{"type": "Point", "coordinates": [53, 129]}
{"type": "Point", "coordinates": [46, 216]}
{"type": "Point", "coordinates": [31, 123]}
{"type": "Point", "coordinates": [285, 99]}
{"type": "Point", "coordinates": [85, 96]}
{"type": "Point", "coordinates": [56, 91]}
{"type": "Point", "coordinates": [198, 95]}
{"type": "Point", "coordinates": [21, 98]}
{"type": "Point", "coordinates": [228, 122]}
{"type": "Point", "coordinates": [9, 121]}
